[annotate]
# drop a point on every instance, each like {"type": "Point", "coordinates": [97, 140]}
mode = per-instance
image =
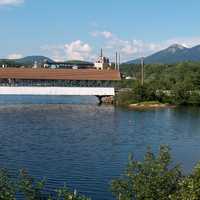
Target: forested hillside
{"type": "Point", "coordinates": [167, 76]}
{"type": "Point", "coordinates": [175, 83]}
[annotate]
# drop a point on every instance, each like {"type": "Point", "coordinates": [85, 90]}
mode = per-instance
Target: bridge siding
{"type": "Point", "coordinates": [80, 91]}
{"type": "Point", "coordinates": [59, 74]}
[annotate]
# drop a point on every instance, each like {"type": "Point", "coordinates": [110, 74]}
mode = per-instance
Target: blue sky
{"type": "Point", "coordinates": [77, 29]}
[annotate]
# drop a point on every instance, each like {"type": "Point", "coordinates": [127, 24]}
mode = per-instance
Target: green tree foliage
{"type": "Point", "coordinates": [137, 93]}
{"type": "Point", "coordinates": [130, 70]}
{"type": "Point", "coordinates": [32, 189]}
{"type": "Point", "coordinates": [125, 98]}
{"type": "Point", "coordinates": [9, 63]}
{"type": "Point", "coordinates": [151, 179]}
{"type": "Point", "coordinates": [156, 178]}
{"type": "Point", "coordinates": [181, 93]}
{"type": "Point", "coordinates": [189, 186]}
{"type": "Point", "coordinates": [29, 187]}
{"type": "Point", "coordinates": [176, 83]}
{"type": "Point", "coordinates": [7, 188]}
{"type": "Point", "coordinates": [65, 194]}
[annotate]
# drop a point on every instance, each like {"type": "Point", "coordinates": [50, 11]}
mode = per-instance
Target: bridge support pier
{"type": "Point", "coordinates": [105, 99]}
{"type": "Point", "coordinates": [100, 99]}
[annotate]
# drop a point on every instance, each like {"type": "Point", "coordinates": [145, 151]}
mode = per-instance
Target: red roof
{"type": "Point", "coordinates": [59, 74]}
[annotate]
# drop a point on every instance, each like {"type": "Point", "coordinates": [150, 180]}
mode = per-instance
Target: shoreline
{"type": "Point", "coordinates": [149, 105]}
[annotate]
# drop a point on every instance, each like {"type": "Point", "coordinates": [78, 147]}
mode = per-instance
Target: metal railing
{"type": "Point", "coordinates": [59, 83]}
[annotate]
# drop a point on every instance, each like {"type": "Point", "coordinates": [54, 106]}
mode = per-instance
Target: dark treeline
{"type": "Point", "coordinates": [177, 83]}
{"type": "Point", "coordinates": [10, 63]}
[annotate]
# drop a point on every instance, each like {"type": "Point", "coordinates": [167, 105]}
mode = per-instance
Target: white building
{"type": "Point", "coordinates": [102, 62]}
{"type": "Point", "coordinates": [35, 66]}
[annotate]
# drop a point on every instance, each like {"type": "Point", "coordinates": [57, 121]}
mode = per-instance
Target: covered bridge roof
{"type": "Point", "coordinates": [59, 74]}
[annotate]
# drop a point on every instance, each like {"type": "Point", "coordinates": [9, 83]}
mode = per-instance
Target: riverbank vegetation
{"type": "Point", "coordinates": [29, 189]}
{"type": "Point", "coordinates": [154, 178]}
{"type": "Point", "coordinates": [173, 84]}
{"type": "Point", "coordinates": [157, 177]}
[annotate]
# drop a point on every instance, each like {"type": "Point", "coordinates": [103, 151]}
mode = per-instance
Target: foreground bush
{"type": "Point", "coordinates": [7, 188]}
{"type": "Point", "coordinates": [156, 179]}
{"type": "Point", "coordinates": [31, 189]}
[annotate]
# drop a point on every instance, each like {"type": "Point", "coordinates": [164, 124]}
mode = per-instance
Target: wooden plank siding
{"type": "Point", "coordinates": [59, 74]}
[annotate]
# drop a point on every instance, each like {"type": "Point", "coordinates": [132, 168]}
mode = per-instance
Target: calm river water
{"type": "Point", "coordinates": [72, 140]}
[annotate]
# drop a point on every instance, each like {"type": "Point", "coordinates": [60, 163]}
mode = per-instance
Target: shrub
{"type": "Point", "coordinates": [152, 179]}
{"type": "Point", "coordinates": [31, 189]}
{"type": "Point", "coordinates": [125, 98]}
{"type": "Point", "coordinates": [7, 188]}
{"type": "Point", "coordinates": [189, 186]}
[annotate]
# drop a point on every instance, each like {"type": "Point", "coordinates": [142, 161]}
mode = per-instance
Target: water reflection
{"type": "Point", "coordinates": [86, 145]}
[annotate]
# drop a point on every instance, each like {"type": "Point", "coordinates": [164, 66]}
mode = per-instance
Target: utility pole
{"type": "Point", "coordinates": [119, 62]}
{"type": "Point", "coordinates": [142, 71]}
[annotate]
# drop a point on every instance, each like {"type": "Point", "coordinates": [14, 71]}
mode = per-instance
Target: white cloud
{"type": "Point", "coordinates": [15, 56]}
{"type": "Point", "coordinates": [128, 48]}
{"type": "Point", "coordinates": [134, 48]}
{"type": "Point", "coordinates": [10, 2]}
{"type": "Point", "coordinates": [76, 50]}
{"type": "Point", "coordinates": [105, 34]}
{"type": "Point", "coordinates": [185, 41]}
{"type": "Point", "coordinates": [56, 52]}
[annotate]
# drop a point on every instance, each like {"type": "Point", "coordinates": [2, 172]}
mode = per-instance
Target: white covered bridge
{"type": "Point", "coordinates": [58, 91]}
{"type": "Point", "coordinates": [41, 81]}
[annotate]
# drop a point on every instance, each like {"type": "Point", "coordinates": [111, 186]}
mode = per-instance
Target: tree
{"type": "Point", "coordinates": [189, 186]}
{"type": "Point", "coordinates": [151, 179]}
{"type": "Point", "coordinates": [32, 189]}
{"type": "Point", "coordinates": [181, 93]}
{"type": "Point", "coordinates": [7, 188]}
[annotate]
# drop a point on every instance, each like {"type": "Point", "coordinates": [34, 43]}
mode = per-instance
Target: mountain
{"type": "Point", "coordinates": [30, 60]}
{"type": "Point", "coordinates": [173, 54]}
{"type": "Point", "coordinates": [26, 61]}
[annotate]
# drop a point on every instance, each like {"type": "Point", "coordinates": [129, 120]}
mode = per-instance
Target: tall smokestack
{"type": "Point", "coordinates": [101, 52]}
{"type": "Point", "coordinates": [116, 59]}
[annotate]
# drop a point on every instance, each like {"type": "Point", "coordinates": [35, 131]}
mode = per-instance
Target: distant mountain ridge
{"type": "Point", "coordinates": [30, 60]}
{"type": "Point", "coordinates": [27, 61]}
{"type": "Point", "coordinates": [174, 54]}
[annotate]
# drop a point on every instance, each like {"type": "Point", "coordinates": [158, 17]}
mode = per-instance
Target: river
{"type": "Point", "coordinates": [72, 140]}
